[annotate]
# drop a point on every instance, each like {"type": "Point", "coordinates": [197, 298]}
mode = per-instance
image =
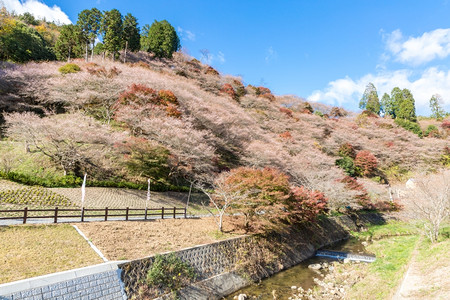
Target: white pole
{"type": "Point", "coordinates": [83, 191]}
{"type": "Point", "coordinates": [148, 195]}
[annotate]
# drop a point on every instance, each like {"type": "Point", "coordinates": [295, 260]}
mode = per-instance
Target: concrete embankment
{"type": "Point", "coordinates": [221, 267]}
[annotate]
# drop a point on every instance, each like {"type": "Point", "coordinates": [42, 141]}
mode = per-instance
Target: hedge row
{"type": "Point", "coordinates": [70, 181]}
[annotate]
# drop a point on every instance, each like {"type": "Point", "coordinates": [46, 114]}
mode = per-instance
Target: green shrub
{"type": "Point", "coordinates": [73, 181]}
{"type": "Point", "coordinates": [432, 131]}
{"type": "Point", "coordinates": [410, 126]}
{"type": "Point", "coordinates": [318, 113]}
{"type": "Point", "coordinates": [169, 273]}
{"type": "Point", "coordinates": [348, 165]}
{"type": "Point", "coordinates": [69, 68]}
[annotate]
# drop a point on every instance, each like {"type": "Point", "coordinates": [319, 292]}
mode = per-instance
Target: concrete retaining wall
{"type": "Point", "coordinates": [214, 263]}
{"type": "Point", "coordinates": [94, 282]}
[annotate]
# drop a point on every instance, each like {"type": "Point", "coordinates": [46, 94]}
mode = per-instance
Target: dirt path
{"type": "Point", "coordinates": [420, 283]}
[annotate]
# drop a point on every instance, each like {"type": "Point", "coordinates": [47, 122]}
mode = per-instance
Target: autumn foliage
{"type": "Point", "coordinates": [264, 92]}
{"type": "Point", "coordinates": [362, 195]}
{"type": "Point", "coordinates": [229, 90]}
{"type": "Point", "coordinates": [347, 149]}
{"type": "Point", "coordinates": [366, 161]}
{"type": "Point", "coordinates": [139, 96]}
{"type": "Point", "coordinates": [446, 125]}
{"type": "Point", "coordinates": [287, 112]}
{"type": "Point", "coordinates": [272, 200]}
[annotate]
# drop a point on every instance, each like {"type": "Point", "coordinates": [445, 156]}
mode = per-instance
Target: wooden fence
{"type": "Point", "coordinates": [104, 213]}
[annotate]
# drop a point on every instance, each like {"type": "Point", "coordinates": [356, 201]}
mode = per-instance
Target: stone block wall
{"type": "Point", "coordinates": [295, 245]}
{"type": "Point", "coordinates": [102, 285]}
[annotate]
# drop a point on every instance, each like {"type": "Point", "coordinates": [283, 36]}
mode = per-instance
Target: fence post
{"type": "Point", "coordinates": [162, 212]}
{"type": "Point", "coordinates": [25, 215]}
{"type": "Point", "coordinates": [106, 213]}
{"type": "Point", "coordinates": [82, 214]}
{"type": "Point", "coordinates": [146, 213]}
{"type": "Point", "coordinates": [126, 217]}
{"type": "Point", "coordinates": [174, 212]}
{"type": "Point", "coordinates": [185, 213]}
{"type": "Point", "coordinates": [55, 220]}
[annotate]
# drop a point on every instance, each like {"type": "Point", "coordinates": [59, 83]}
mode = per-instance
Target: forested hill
{"type": "Point", "coordinates": [123, 117]}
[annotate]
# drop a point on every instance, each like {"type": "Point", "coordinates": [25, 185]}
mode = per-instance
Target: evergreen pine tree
{"type": "Point", "coordinates": [112, 31]}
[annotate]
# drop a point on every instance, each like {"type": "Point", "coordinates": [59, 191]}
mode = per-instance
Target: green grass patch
{"type": "Point", "coordinates": [28, 251]}
{"type": "Point", "coordinates": [385, 274]}
{"type": "Point", "coordinates": [393, 228]}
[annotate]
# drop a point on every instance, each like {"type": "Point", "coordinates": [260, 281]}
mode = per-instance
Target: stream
{"type": "Point", "coordinates": [299, 275]}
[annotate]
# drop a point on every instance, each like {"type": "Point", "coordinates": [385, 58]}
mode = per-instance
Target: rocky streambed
{"type": "Point", "coordinates": [314, 278]}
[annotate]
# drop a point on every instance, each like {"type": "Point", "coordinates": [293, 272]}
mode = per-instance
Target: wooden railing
{"type": "Point", "coordinates": [103, 213]}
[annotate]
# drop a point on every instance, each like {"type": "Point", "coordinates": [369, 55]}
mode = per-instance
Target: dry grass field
{"type": "Point", "coordinates": [114, 239]}
{"type": "Point", "coordinates": [28, 251]}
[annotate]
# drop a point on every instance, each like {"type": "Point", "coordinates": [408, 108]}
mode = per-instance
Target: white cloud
{"type": "Point", "coordinates": [38, 10]}
{"type": "Point", "coordinates": [419, 50]}
{"type": "Point", "coordinates": [271, 54]}
{"type": "Point", "coordinates": [186, 34]}
{"type": "Point", "coordinates": [349, 91]}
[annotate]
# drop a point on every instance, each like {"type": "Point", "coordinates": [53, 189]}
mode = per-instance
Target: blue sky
{"type": "Point", "coordinates": [324, 51]}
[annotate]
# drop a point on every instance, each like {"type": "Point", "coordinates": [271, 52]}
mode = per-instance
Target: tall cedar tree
{"type": "Point", "coordinates": [160, 39]}
{"type": "Point", "coordinates": [369, 100]}
{"type": "Point", "coordinates": [437, 111]}
{"type": "Point", "coordinates": [112, 31]}
{"type": "Point", "coordinates": [89, 22]}
{"type": "Point", "coordinates": [400, 104]}
{"type": "Point", "coordinates": [69, 42]}
{"type": "Point", "coordinates": [131, 36]}
{"type": "Point", "coordinates": [407, 107]}
{"type": "Point", "coordinates": [386, 105]}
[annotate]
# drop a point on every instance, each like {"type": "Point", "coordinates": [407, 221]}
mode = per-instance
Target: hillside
{"type": "Point", "coordinates": [178, 121]}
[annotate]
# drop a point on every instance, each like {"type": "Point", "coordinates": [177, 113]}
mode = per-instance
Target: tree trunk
{"type": "Point", "coordinates": [220, 221]}
{"type": "Point", "coordinates": [87, 51]}
{"type": "Point", "coordinates": [125, 55]}
{"type": "Point", "coordinates": [92, 51]}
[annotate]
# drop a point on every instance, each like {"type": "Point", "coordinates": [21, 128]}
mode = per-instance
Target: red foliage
{"type": "Point", "coordinates": [287, 111]}
{"type": "Point", "coordinates": [446, 125]}
{"type": "Point", "coordinates": [102, 72]}
{"type": "Point", "coordinates": [366, 161]}
{"type": "Point", "coordinates": [141, 64]}
{"type": "Point", "coordinates": [387, 206]}
{"type": "Point", "coordinates": [272, 199]}
{"type": "Point", "coordinates": [363, 198]}
{"type": "Point", "coordinates": [212, 71]}
{"type": "Point", "coordinates": [389, 144]}
{"type": "Point", "coordinates": [172, 111]}
{"type": "Point", "coordinates": [306, 205]}
{"type": "Point", "coordinates": [347, 149]}
{"type": "Point", "coordinates": [229, 90]}
{"type": "Point", "coordinates": [168, 97]}
{"type": "Point", "coordinates": [140, 96]}
{"type": "Point", "coordinates": [369, 114]}
{"type": "Point", "coordinates": [286, 135]}
{"type": "Point", "coordinates": [307, 108]}
{"type": "Point", "coordinates": [264, 92]}
{"type": "Point", "coordinates": [269, 97]}
{"type": "Point", "coordinates": [338, 112]}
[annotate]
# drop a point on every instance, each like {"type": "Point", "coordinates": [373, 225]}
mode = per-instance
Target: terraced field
{"type": "Point", "coordinates": [16, 196]}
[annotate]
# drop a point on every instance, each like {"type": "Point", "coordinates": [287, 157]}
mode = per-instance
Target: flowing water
{"type": "Point", "coordinates": [299, 275]}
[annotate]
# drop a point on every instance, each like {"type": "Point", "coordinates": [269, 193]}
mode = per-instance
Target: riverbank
{"type": "Point", "coordinates": [408, 266]}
